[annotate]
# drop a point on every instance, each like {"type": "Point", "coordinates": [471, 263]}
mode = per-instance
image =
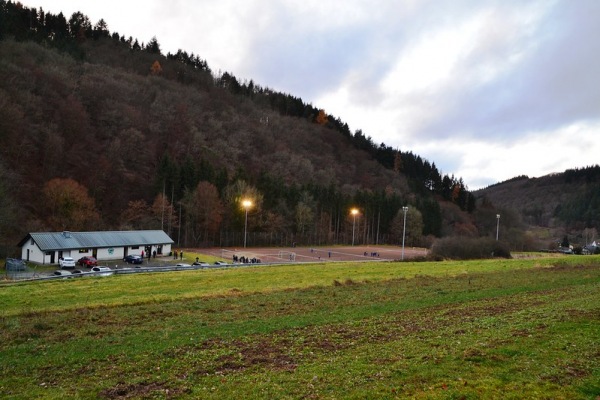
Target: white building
{"type": "Point", "coordinates": [48, 247]}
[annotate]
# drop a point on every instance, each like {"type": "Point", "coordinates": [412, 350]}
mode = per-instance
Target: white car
{"type": "Point", "coordinates": [102, 271]}
{"type": "Point", "coordinates": [66, 262]}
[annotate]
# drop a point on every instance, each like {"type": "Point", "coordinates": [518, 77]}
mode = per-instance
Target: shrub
{"type": "Point", "coordinates": [463, 248]}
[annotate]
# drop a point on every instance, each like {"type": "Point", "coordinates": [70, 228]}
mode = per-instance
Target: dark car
{"type": "Point", "coordinates": [87, 261]}
{"type": "Point", "coordinates": [133, 259]}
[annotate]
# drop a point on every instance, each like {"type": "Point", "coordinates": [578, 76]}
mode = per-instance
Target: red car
{"type": "Point", "coordinates": [87, 261]}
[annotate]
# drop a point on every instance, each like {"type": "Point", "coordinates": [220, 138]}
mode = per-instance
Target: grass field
{"type": "Point", "coordinates": [511, 329]}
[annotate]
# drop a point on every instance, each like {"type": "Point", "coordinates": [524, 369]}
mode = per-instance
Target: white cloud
{"type": "Point", "coordinates": [482, 163]}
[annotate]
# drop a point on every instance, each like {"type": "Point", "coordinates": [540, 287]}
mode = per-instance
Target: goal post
{"type": "Point", "coordinates": [287, 255]}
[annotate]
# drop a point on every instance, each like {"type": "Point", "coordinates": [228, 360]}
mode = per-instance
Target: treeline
{"type": "Point", "coordinates": [310, 212]}
{"type": "Point", "coordinates": [589, 174]}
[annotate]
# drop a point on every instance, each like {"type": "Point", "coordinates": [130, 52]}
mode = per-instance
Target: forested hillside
{"type": "Point", "coordinates": [565, 204]}
{"type": "Point", "coordinates": [99, 131]}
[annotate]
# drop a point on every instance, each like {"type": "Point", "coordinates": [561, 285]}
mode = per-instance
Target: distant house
{"type": "Point", "coordinates": [48, 247]}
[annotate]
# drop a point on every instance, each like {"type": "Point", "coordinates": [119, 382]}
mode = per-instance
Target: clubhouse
{"type": "Point", "coordinates": [48, 247]}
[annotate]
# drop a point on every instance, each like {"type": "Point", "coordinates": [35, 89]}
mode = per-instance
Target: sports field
{"type": "Point", "coordinates": [315, 254]}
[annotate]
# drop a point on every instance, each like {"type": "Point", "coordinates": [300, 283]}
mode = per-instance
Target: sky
{"type": "Point", "coordinates": [486, 89]}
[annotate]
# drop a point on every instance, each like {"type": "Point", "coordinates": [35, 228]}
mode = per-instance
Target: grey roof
{"type": "Point", "coordinates": [47, 241]}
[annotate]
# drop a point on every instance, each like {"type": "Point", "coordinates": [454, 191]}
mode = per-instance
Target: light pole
{"type": "Point", "coordinates": [246, 204]}
{"type": "Point", "coordinates": [404, 209]}
{"type": "Point", "coordinates": [497, 225]}
{"type": "Point", "coordinates": [354, 211]}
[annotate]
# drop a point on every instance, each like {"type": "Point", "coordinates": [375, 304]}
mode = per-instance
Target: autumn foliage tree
{"type": "Point", "coordinates": [203, 211]}
{"type": "Point", "coordinates": [155, 69]}
{"type": "Point", "coordinates": [135, 216]}
{"type": "Point", "coordinates": [164, 214]}
{"type": "Point", "coordinates": [322, 118]}
{"type": "Point", "coordinates": [69, 206]}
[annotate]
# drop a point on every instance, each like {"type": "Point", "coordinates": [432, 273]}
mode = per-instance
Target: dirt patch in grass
{"type": "Point", "coordinates": [142, 390]}
{"type": "Point", "coordinates": [263, 353]}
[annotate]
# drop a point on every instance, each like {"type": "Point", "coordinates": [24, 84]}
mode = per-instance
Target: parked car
{"type": "Point", "coordinates": [102, 271]}
{"type": "Point", "coordinates": [66, 262]}
{"type": "Point", "coordinates": [87, 261]}
{"type": "Point", "coordinates": [182, 265]}
{"type": "Point", "coordinates": [60, 272]}
{"type": "Point", "coordinates": [133, 259]}
{"type": "Point", "coordinates": [201, 263]}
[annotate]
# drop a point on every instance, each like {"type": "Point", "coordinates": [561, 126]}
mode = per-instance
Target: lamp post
{"type": "Point", "coordinates": [497, 225]}
{"type": "Point", "coordinates": [354, 211]}
{"type": "Point", "coordinates": [246, 204]}
{"type": "Point", "coordinates": [404, 209]}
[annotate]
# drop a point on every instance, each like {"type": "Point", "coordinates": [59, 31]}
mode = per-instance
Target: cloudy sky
{"type": "Point", "coordinates": [486, 89]}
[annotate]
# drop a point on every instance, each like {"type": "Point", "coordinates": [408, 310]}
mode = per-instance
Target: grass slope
{"type": "Point", "coordinates": [472, 330]}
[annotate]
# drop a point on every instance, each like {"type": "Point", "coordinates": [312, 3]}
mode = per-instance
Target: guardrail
{"type": "Point", "coordinates": [126, 270]}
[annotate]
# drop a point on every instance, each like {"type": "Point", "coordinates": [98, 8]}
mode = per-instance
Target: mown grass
{"type": "Point", "coordinates": [487, 329]}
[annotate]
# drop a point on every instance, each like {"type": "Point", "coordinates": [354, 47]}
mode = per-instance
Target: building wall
{"type": "Point", "coordinates": [30, 252]}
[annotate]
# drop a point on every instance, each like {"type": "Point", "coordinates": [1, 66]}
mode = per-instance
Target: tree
{"type": "Point", "coordinates": [204, 211]}
{"type": "Point", "coordinates": [565, 242]}
{"type": "Point", "coordinates": [322, 118]}
{"type": "Point", "coordinates": [414, 227]}
{"type": "Point", "coordinates": [79, 26]}
{"type": "Point", "coordinates": [155, 69]}
{"type": "Point", "coordinates": [398, 167]}
{"type": "Point", "coordinates": [69, 205]}
{"type": "Point", "coordinates": [136, 215]}
{"type": "Point", "coordinates": [163, 212]}
{"type": "Point", "coordinates": [153, 46]}
{"type": "Point", "coordinates": [304, 213]}
{"type": "Point", "coordinates": [8, 207]}
{"type": "Point", "coordinates": [100, 29]}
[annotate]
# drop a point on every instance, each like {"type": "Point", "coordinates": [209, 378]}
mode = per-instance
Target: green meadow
{"type": "Point", "coordinates": [510, 329]}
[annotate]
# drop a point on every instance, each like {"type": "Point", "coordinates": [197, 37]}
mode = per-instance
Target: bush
{"type": "Point", "coordinates": [463, 248]}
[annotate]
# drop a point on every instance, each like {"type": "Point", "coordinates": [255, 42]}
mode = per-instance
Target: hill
{"type": "Point", "coordinates": [565, 204]}
{"type": "Point", "coordinates": [99, 132]}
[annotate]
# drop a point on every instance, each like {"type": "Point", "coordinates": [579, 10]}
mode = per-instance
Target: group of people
{"type": "Point", "coordinates": [245, 260]}
{"type": "Point", "coordinates": [176, 255]}
{"type": "Point", "coordinates": [153, 254]}
{"type": "Point", "coordinates": [373, 254]}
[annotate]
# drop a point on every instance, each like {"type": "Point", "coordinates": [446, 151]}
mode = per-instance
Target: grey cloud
{"type": "Point", "coordinates": [553, 88]}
